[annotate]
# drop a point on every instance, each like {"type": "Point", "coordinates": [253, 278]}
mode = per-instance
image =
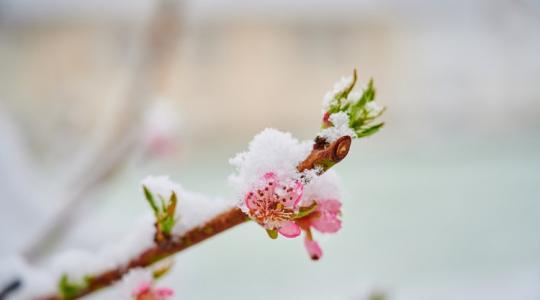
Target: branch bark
{"type": "Point", "coordinates": [323, 156]}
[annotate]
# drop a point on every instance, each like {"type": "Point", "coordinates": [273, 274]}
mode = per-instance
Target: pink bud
{"type": "Point", "coordinates": [313, 248]}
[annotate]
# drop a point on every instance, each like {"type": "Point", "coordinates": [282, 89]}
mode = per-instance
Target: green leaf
{"type": "Point", "coordinates": [167, 224]}
{"type": "Point", "coordinates": [369, 131]}
{"type": "Point", "coordinates": [166, 214]}
{"type": "Point", "coordinates": [171, 207]}
{"type": "Point", "coordinates": [356, 117]}
{"type": "Point", "coordinates": [370, 118]}
{"type": "Point", "coordinates": [150, 198]}
{"type": "Point", "coordinates": [272, 233]}
{"type": "Point", "coordinates": [326, 164]}
{"type": "Point", "coordinates": [306, 210]}
{"type": "Point", "coordinates": [163, 209]}
{"type": "Point", "coordinates": [368, 95]}
{"type": "Point", "coordinates": [337, 104]}
{"type": "Point", "coordinates": [349, 88]}
{"type": "Point", "coordinates": [162, 269]}
{"type": "Point", "coordinates": [69, 289]}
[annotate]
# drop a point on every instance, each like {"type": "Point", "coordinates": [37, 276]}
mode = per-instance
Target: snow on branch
{"type": "Point", "coordinates": [282, 184]}
{"type": "Point", "coordinates": [350, 113]}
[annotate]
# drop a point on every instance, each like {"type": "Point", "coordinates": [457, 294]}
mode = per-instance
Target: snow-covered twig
{"type": "Point", "coordinates": [322, 154]}
{"type": "Point", "coordinates": [279, 180]}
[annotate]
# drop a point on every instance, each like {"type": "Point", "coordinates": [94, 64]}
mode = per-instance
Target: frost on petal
{"type": "Point", "coordinates": [326, 217]}
{"type": "Point", "coordinates": [289, 229]}
{"type": "Point", "coordinates": [269, 151]}
{"type": "Point", "coordinates": [313, 248]}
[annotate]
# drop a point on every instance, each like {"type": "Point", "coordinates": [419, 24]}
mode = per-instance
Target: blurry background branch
{"type": "Point", "coordinates": [120, 130]}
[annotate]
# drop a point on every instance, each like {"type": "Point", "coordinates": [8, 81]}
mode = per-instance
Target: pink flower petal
{"type": "Point", "coordinates": [331, 205]}
{"type": "Point", "coordinates": [275, 203]}
{"type": "Point", "coordinates": [313, 248]}
{"type": "Point", "coordinates": [144, 287]}
{"type": "Point", "coordinates": [298, 191]}
{"type": "Point", "coordinates": [270, 176]}
{"type": "Point", "coordinates": [326, 219]}
{"type": "Point", "coordinates": [164, 292]}
{"type": "Point", "coordinates": [255, 197]}
{"type": "Point", "coordinates": [289, 229]}
{"type": "Point", "coordinates": [327, 224]}
{"type": "Point", "coordinates": [250, 200]}
{"type": "Point", "coordinates": [293, 194]}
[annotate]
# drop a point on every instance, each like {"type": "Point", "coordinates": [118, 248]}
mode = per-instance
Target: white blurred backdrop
{"type": "Point", "coordinates": [441, 204]}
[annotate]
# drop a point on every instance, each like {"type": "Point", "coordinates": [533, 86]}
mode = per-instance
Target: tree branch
{"type": "Point", "coordinates": [323, 156]}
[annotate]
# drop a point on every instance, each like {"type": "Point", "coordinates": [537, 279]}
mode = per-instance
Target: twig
{"type": "Point", "coordinates": [323, 156]}
{"type": "Point", "coordinates": [150, 72]}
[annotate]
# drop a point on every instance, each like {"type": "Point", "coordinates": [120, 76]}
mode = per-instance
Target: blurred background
{"type": "Point", "coordinates": [443, 203]}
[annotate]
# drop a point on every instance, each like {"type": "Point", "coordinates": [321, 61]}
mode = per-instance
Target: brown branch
{"type": "Point", "coordinates": [326, 155]}
{"type": "Point", "coordinates": [323, 156]}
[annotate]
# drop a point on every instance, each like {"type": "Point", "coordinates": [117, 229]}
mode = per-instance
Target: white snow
{"type": "Point", "coordinates": [354, 96]}
{"type": "Point", "coordinates": [35, 282]}
{"type": "Point", "coordinates": [193, 209]}
{"type": "Point", "coordinates": [339, 86]}
{"type": "Point", "coordinates": [310, 174]}
{"type": "Point", "coordinates": [373, 108]}
{"type": "Point", "coordinates": [77, 264]}
{"type": "Point", "coordinates": [323, 187]}
{"type": "Point", "coordinates": [340, 120]}
{"type": "Point", "coordinates": [131, 281]}
{"type": "Point", "coordinates": [161, 185]}
{"type": "Point", "coordinates": [269, 151]}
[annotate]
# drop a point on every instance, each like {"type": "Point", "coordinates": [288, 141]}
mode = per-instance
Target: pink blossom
{"type": "Point", "coordinates": [324, 219]}
{"type": "Point", "coordinates": [145, 291]}
{"type": "Point", "coordinates": [275, 204]}
{"type": "Point", "coordinates": [326, 120]}
{"type": "Point", "coordinates": [161, 145]}
{"type": "Point", "coordinates": [313, 248]}
{"type": "Point", "coordinates": [289, 229]}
